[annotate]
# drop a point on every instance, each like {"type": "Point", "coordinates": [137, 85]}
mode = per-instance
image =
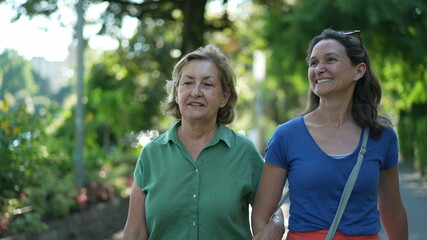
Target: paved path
{"type": "Point", "coordinates": [414, 195]}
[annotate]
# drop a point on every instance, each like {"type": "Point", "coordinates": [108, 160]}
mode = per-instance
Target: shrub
{"type": "Point", "coordinates": [37, 171]}
{"type": "Point", "coordinates": [35, 179]}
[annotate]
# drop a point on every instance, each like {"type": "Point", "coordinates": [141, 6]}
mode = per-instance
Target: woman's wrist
{"type": "Point", "coordinates": [277, 220]}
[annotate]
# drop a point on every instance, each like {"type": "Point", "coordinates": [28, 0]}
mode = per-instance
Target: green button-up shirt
{"type": "Point", "coordinates": [203, 199]}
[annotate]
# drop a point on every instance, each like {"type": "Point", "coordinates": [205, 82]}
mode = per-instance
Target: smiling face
{"type": "Point", "coordinates": [199, 94]}
{"type": "Point", "coordinates": [330, 69]}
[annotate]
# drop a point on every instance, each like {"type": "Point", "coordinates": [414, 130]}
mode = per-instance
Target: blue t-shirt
{"type": "Point", "coordinates": [316, 180]}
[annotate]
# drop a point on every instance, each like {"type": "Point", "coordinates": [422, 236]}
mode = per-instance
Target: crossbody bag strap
{"type": "Point", "coordinates": [348, 187]}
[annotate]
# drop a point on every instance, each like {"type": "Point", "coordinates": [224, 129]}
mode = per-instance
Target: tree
{"type": "Point", "coordinates": [167, 29]}
{"type": "Point", "coordinates": [190, 13]}
{"type": "Point", "coordinates": [15, 74]}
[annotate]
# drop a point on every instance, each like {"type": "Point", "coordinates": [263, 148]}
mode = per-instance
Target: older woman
{"type": "Point", "coordinates": [317, 151]}
{"type": "Point", "coordinates": [196, 180]}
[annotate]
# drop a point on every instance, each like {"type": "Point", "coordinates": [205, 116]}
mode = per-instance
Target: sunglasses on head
{"type": "Point", "coordinates": [352, 32]}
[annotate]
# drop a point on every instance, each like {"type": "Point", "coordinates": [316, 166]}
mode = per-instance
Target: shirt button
{"type": "Point", "coordinates": [194, 223]}
{"type": "Point", "coordinates": [197, 170]}
{"type": "Point", "coordinates": [194, 195]}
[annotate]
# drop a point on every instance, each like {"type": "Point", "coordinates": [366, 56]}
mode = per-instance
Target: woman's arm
{"type": "Point", "coordinates": [136, 227]}
{"type": "Point", "coordinates": [393, 213]}
{"type": "Point", "coordinates": [268, 195]}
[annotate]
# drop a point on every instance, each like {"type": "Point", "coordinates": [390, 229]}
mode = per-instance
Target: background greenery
{"type": "Point", "coordinates": [123, 89]}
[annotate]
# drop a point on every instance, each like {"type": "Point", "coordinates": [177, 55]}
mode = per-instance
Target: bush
{"type": "Point", "coordinates": [412, 131]}
{"type": "Point", "coordinates": [37, 172]}
{"type": "Point", "coordinates": [19, 134]}
{"type": "Point", "coordinates": [35, 180]}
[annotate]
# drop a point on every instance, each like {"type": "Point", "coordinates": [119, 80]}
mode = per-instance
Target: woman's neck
{"type": "Point", "coordinates": [197, 132]}
{"type": "Point", "coordinates": [196, 137]}
{"type": "Point", "coordinates": [333, 114]}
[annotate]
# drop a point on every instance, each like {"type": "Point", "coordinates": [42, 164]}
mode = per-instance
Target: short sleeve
{"type": "Point", "coordinates": [274, 153]}
{"type": "Point", "coordinates": [256, 172]}
{"type": "Point", "coordinates": [392, 155]}
{"type": "Point", "coordinates": [138, 171]}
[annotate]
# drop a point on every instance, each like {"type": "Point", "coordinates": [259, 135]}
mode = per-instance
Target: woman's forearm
{"type": "Point", "coordinates": [396, 225]}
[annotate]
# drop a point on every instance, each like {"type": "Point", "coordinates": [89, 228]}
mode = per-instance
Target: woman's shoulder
{"type": "Point", "coordinates": [291, 125]}
{"type": "Point", "coordinates": [239, 137]}
{"type": "Point", "coordinates": [388, 133]}
{"type": "Point", "coordinates": [388, 130]}
{"type": "Point", "coordinates": [158, 141]}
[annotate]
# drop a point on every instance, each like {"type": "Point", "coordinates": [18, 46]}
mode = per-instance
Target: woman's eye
{"type": "Point", "coordinates": [207, 84]}
{"type": "Point", "coordinates": [313, 63]}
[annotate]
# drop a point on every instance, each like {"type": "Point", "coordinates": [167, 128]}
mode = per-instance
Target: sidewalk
{"type": "Point", "coordinates": [414, 195]}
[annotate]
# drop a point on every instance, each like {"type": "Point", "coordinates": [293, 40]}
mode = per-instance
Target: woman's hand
{"type": "Point", "coordinates": [272, 231]}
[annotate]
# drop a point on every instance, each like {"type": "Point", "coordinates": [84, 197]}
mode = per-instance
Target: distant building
{"type": "Point", "coordinates": [56, 72]}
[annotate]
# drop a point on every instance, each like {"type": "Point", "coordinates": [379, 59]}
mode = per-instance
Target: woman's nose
{"type": "Point", "coordinates": [320, 68]}
{"type": "Point", "coordinates": [196, 91]}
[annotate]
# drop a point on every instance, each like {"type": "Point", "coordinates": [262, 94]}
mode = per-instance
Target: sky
{"type": "Point", "coordinates": [43, 37]}
{"type": "Point", "coordinates": [51, 38]}
{"type": "Point", "coordinates": [29, 38]}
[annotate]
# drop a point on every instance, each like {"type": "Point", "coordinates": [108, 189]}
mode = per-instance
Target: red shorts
{"type": "Point", "coordinates": [321, 234]}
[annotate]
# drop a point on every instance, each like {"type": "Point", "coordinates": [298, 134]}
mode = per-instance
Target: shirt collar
{"type": "Point", "coordinates": [222, 134]}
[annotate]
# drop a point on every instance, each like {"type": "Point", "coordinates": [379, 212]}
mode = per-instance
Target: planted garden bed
{"type": "Point", "coordinates": [96, 223]}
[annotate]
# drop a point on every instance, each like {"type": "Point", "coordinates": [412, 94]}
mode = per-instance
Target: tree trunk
{"type": "Point", "coordinates": [194, 24]}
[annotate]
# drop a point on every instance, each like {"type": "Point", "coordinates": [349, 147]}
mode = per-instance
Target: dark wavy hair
{"type": "Point", "coordinates": [213, 54]}
{"type": "Point", "coordinates": [367, 93]}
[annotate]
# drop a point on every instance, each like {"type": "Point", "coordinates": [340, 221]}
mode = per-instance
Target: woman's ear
{"type": "Point", "coordinates": [360, 71]}
{"type": "Point", "coordinates": [225, 98]}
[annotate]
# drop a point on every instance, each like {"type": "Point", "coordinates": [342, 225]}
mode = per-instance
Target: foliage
{"type": "Point", "coordinates": [183, 12]}
{"type": "Point", "coordinates": [36, 174]}
{"type": "Point", "coordinates": [26, 185]}
{"type": "Point", "coordinates": [412, 132]}
{"type": "Point", "coordinates": [36, 167]}
{"type": "Point", "coordinates": [27, 188]}
{"type": "Point", "coordinates": [421, 143]}
{"type": "Point", "coordinates": [18, 135]}
{"type": "Point", "coordinates": [15, 74]}
{"type": "Point", "coordinates": [130, 81]}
